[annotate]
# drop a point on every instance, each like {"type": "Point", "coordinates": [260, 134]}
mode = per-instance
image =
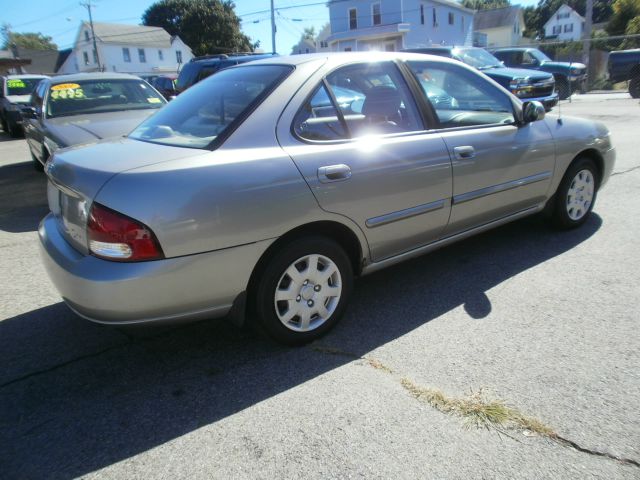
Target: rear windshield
{"type": "Point", "coordinates": [205, 111]}
{"type": "Point", "coordinates": [96, 96]}
{"type": "Point", "coordinates": [21, 86]}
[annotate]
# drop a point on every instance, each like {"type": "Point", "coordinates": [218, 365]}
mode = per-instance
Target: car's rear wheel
{"type": "Point", "coordinates": [563, 87]}
{"type": "Point", "coordinates": [303, 290]}
{"type": "Point", "coordinates": [576, 194]}
{"type": "Point", "coordinates": [634, 83]}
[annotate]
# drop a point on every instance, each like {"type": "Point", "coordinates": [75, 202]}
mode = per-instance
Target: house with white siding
{"type": "Point", "coordinates": [391, 25]}
{"type": "Point", "coordinates": [566, 24]}
{"type": "Point", "coordinates": [135, 49]}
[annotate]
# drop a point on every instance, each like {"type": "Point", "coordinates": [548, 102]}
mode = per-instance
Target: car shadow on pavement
{"type": "Point", "coordinates": [23, 197]}
{"type": "Point", "coordinates": [76, 397]}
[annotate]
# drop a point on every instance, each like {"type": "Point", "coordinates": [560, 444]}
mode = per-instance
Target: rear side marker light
{"type": "Point", "coordinates": [114, 236]}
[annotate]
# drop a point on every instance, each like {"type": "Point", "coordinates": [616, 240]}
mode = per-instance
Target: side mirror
{"type": "Point", "coordinates": [28, 112]}
{"type": "Point", "coordinates": [532, 112]}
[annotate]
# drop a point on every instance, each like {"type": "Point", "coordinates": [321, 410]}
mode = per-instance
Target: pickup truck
{"type": "Point", "coordinates": [625, 65]}
{"type": "Point", "coordinates": [570, 76]}
{"type": "Point", "coordinates": [527, 85]}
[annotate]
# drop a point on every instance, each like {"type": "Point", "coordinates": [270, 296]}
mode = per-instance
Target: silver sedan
{"type": "Point", "coordinates": [265, 189]}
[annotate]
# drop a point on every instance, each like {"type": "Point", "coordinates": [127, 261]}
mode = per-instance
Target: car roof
{"type": "Point", "coordinates": [76, 77]}
{"type": "Point", "coordinates": [513, 49]}
{"type": "Point", "coordinates": [345, 57]}
{"type": "Point", "coordinates": [212, 59]}
{"type": "Point", "coordinates": [27, 75]}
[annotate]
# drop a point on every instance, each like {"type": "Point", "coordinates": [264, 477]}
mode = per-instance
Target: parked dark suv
{"type": "Point", "coordinates": [527, 85]}
{"type": "Point", "coordinates": [200, 68]}
{"type": "Point", "coordinates": [625, 65]}
{"type": "Point", "coordinates": [569, 76]}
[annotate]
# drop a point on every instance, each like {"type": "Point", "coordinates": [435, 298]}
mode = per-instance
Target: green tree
{"type": "Point", "coordinates": [485, 4]}
{"type": "Point", "coordinates": [30, 40]}
{"type": "Point", "coordinates": [207, 26]}
{"type": "Point", "coordinates": [633, 28]}
{"type": "Point", "coordinates": [624, 13]}
{"type": "Point", "coordinates": [309, 33]}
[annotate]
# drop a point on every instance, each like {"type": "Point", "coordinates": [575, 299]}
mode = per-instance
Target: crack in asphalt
{"type": "Point", "coordinates": [565, 442]}
{"type": "Point", "coordinates": [622, 172]}
{"type": "Point", "coordinates": [63, 364]}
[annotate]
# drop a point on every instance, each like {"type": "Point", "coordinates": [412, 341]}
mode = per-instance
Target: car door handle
{"type": "Point", "coordinates": [464, 153]}
{"type": "Point", "coordinates": [334, 173]}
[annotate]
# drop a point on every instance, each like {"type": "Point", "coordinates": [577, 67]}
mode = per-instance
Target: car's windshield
{"type": "Point", "coordinates": [101, 95]}
{"type": "Point", "coordinates": [206, 110]}
{"type": "Point", "coordinates": [538, 55]}
{"type": "Point", "coordinates": [477, 57]}
{"type": "Point", "coordinates": [22, 86]}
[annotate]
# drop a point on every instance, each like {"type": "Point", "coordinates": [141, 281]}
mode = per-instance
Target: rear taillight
{"type": "Point", "coordinates": [114, 236]}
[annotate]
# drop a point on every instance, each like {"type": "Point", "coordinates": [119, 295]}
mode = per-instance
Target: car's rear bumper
{"type": "Point", "coordinates": [190, 287]}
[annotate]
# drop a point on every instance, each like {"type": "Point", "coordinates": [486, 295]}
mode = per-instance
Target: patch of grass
{"type": "Point", "coordinates": [479, 410]}
{"type": "Point", "coordinates": [378, 365]}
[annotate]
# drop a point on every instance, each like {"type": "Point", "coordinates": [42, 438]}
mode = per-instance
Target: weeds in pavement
{"type": "Point", "coordinates": [478, 410]}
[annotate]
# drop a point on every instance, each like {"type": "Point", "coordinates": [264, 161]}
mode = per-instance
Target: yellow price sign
{"type": "Point", "coordinates": [154, 100]}
{"type": "Point", "coordinates": [67, 94]}
{"type": "Point", "coordinates": [65, 86]}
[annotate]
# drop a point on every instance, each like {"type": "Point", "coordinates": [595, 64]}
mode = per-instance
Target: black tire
{"type": "Point", "coordinates": [563, 87]}
{"type": "Point", "coordinates": [263, 300]}
{"type": "Point", "coordinates": [560, 216]}
{"type": "Point", "coordinates": [634, 83]}
{"type": "Point", "coordinates": [37, 166]}
{"type": "Point", "coordinates": [13, 130]}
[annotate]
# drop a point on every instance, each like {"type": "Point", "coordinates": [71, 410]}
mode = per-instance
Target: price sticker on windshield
{"type": "Point", "coordinates": [15, 83]}
{"type": "Point", "coordinates": [67, 91]}
{"type": "Point", "coordinates": [154, 100]}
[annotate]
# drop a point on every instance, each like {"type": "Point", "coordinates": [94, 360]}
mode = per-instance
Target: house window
{"type": "Point", "coordinates": [557, 29]}
{"type": "Point", "coordinates": [324, 44]}
{"type": "Point", "coordinates": [422, 14]}
{"type": "Point", "coordinates": [450, 18]}
{"type": "Point", "coordinates": [563, 15]}
{"type": "Point", "coordinates": [462, 24]}
{"type": "Point", "coordinates": [306, 50]}
{"type": "Point", "coordinates": [178, 56]}
{"type": "Point", "coordinates": [435, 17]}
{"type": "Point", "coordinates": [126, 55]}
{"type": "Point", "coordinates": [142, 56]}
{"type": "Point", "coordinates": [95, 56]}
{"type": "Point", "coordinates": [85, 57]}
{"type": "Point", "coordinates": [568, 28]}
{"type": "Point", "coordinates": [375, 13]}
{"type": "Point", "coordinates": [160, 55]}
{"type": "Point", "coordinates": [347, 49]}
{"type": "Point", "coordinates": [353, 19]}
{"type": "Point", "coordinates": [86, 35]}
{"type": "Point", "coordinates": [390, 47]}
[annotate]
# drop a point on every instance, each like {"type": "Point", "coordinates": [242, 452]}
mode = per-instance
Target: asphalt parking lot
{"type": "Point", "coordinates": [546, 322]}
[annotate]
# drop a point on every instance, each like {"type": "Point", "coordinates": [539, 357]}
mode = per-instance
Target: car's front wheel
{"type": "Point", "coordinates": [303, 290]}
{"type": "Point", "coordinates": [576, 194]}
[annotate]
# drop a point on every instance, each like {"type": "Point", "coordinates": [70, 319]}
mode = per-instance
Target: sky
{"type": "Point", "coordinates": [60, 19]}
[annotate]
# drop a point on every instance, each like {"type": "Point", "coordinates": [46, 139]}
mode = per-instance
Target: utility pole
{"type": "Point", "coordinates": [586, 45]}
{"type": "Point", "coordinates": [273, 28]}
{"type": "Point", "coordinates": [88, 6]}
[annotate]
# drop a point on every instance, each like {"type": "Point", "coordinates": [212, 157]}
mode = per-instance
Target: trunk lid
{"type": "Point", "coordinates": [77, 174]}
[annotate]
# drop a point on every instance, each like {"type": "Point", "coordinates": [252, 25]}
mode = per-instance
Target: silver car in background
{"type": "Point", "coordinates": [83, 108]}
{"type": "Point", "coordinates": [268, 187]}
